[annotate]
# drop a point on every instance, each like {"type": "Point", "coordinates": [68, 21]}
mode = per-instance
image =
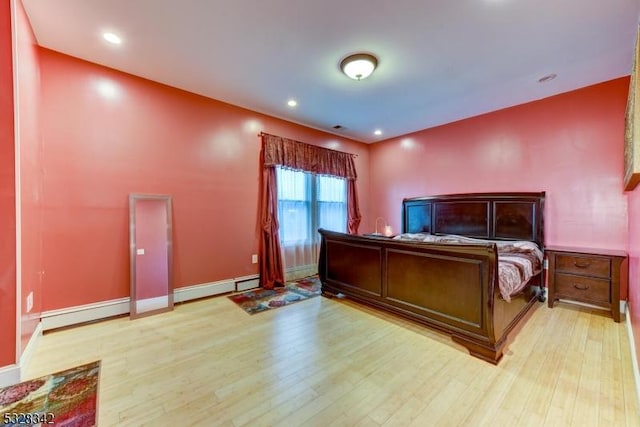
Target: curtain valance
{"type": "Point", "coordinates": [279, 151]}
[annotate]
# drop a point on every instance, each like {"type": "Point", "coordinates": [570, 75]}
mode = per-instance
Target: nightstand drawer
{"type": "Point", "coordinates": [586, 289]}
{"type": "Point", "coordinates": [584, 265]}
{"type": "Point", "coordinates": [591, 276]}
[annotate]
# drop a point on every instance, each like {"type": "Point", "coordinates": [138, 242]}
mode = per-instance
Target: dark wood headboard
{"type": "Point", "coordinates": [495, 216]}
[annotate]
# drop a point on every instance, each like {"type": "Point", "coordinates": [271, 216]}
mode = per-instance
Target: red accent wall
{"type": "Point", "coordinates": [634, 267]}
{"type": "Point", "coordinates": [7, 194]}
{"type": "Point", "coordinates": [107, 134]}
{"type": "Point", "coordinates": [569, 145]}
{"type": "Point", "coordinates": [30, 143]}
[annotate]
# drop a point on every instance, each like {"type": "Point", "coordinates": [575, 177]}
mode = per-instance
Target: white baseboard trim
{"type": "Point", "coordinates": [30, 348]}
{"type": "Point", "coordinates": [9, 375]}
{"type": "Point", "coordinates": [247, 282]}
{"type": "Point", "coordinates": [13, 374]}
{"type": "Point", "coordinates": [245, 278]}
{"type": "Point", "coordinates": [634, 357]}
{"type": "Point", "coordinates": [204, 290]}
{"type": "Point", "coordinates": [90, 312]}
{"type": "Point", "coordinates": [84, 313]}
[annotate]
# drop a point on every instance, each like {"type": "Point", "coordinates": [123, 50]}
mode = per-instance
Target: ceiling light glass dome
{"type": "Point", "coordinates": [359, 66]}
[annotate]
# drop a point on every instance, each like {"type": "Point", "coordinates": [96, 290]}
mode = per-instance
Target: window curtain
{"type": "Point", "coordinates": [278, 151]}
{"type": "Point", "coordinates": [307, 202]}
{"type": "Point", "coordinates": [270, 259]}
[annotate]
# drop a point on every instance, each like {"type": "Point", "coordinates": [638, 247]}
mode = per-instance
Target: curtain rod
{"type": "Point", "coordinates": [261, 134]}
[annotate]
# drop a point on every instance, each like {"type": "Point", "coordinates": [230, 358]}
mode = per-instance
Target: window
{"type": "Point", "coordinates": [307, 202]}
{"type": "Point", "coordinates": [331, 199]}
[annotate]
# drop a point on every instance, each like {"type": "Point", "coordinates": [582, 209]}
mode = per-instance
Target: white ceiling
{"type": "Point", "coordinates": [439, 60]}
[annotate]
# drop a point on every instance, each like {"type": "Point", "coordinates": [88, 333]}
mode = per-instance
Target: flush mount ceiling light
{"type": "Point", "coordinates": [359, 66]}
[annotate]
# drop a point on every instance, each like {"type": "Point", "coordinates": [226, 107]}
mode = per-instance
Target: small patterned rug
{"type": "Point", "coordinates": [259, 300]}
{"type": "Point", "coordinates": [67, 398]}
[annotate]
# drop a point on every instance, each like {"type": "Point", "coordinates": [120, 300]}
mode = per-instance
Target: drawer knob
{"type": "Point", "coordinates": [581, 287]}
{"type": "Point", "coordinates": [582, 264]}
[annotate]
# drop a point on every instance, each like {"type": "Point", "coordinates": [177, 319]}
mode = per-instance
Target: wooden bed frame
{"type": "Point", "coordinates": [453, 288]}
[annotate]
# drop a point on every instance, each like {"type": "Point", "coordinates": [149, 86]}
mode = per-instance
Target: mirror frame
{"type": "Point", "coordinates": [133, 198]}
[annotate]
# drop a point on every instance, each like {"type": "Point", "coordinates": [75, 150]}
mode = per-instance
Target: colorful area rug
{"type": "Point", "coordinates": [259, 300]}
{"type": "Point", "coordinates": [67, 398]}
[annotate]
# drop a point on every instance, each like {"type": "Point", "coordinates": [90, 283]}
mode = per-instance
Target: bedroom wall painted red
{"type": "Point", "coordinates": [634, 267]}
{"type": "Point", "coordinates": [28, 74]}
{"type": "Point", "coordinates": [569, 145]}
{"type": "Point", "coordinates": [7, 193]}
{"type": "Point", "coordinates": [107, 134]}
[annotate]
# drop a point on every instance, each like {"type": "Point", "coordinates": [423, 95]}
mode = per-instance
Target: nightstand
{"type": "Point", "coordinates": [591, 276]}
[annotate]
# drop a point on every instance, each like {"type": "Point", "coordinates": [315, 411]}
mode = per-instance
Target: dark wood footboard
{"type": "Point", "coordinates": [452, 288]}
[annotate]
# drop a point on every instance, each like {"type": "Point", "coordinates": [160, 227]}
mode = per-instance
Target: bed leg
{"type": "Point", "coordinates": [491, 354]}
{"type": "Point", "coordinates": [327, 294]}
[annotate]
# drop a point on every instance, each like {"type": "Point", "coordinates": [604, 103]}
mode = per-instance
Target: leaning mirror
{"type": "Point", "coordinates": [150, 247]}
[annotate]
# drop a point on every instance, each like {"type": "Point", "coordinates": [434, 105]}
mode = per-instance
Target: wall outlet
{"type": "Point", "coordinates": [254, 259]}
{"type": "Point", "coordinates": [30, 302]}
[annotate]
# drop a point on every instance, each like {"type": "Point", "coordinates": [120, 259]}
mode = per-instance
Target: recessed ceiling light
{"type": "Point", "coordinates": [547, 78]}
{"type": "Point", "coordinates": [377, 132]}
{"type": "Point", "coordinates": [292, 103]}
{"type": "Point", "coordinates": [112, 38]}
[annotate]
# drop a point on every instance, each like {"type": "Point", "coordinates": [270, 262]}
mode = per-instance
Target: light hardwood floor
{"type": "Point", "coordinates": [332, 362]}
